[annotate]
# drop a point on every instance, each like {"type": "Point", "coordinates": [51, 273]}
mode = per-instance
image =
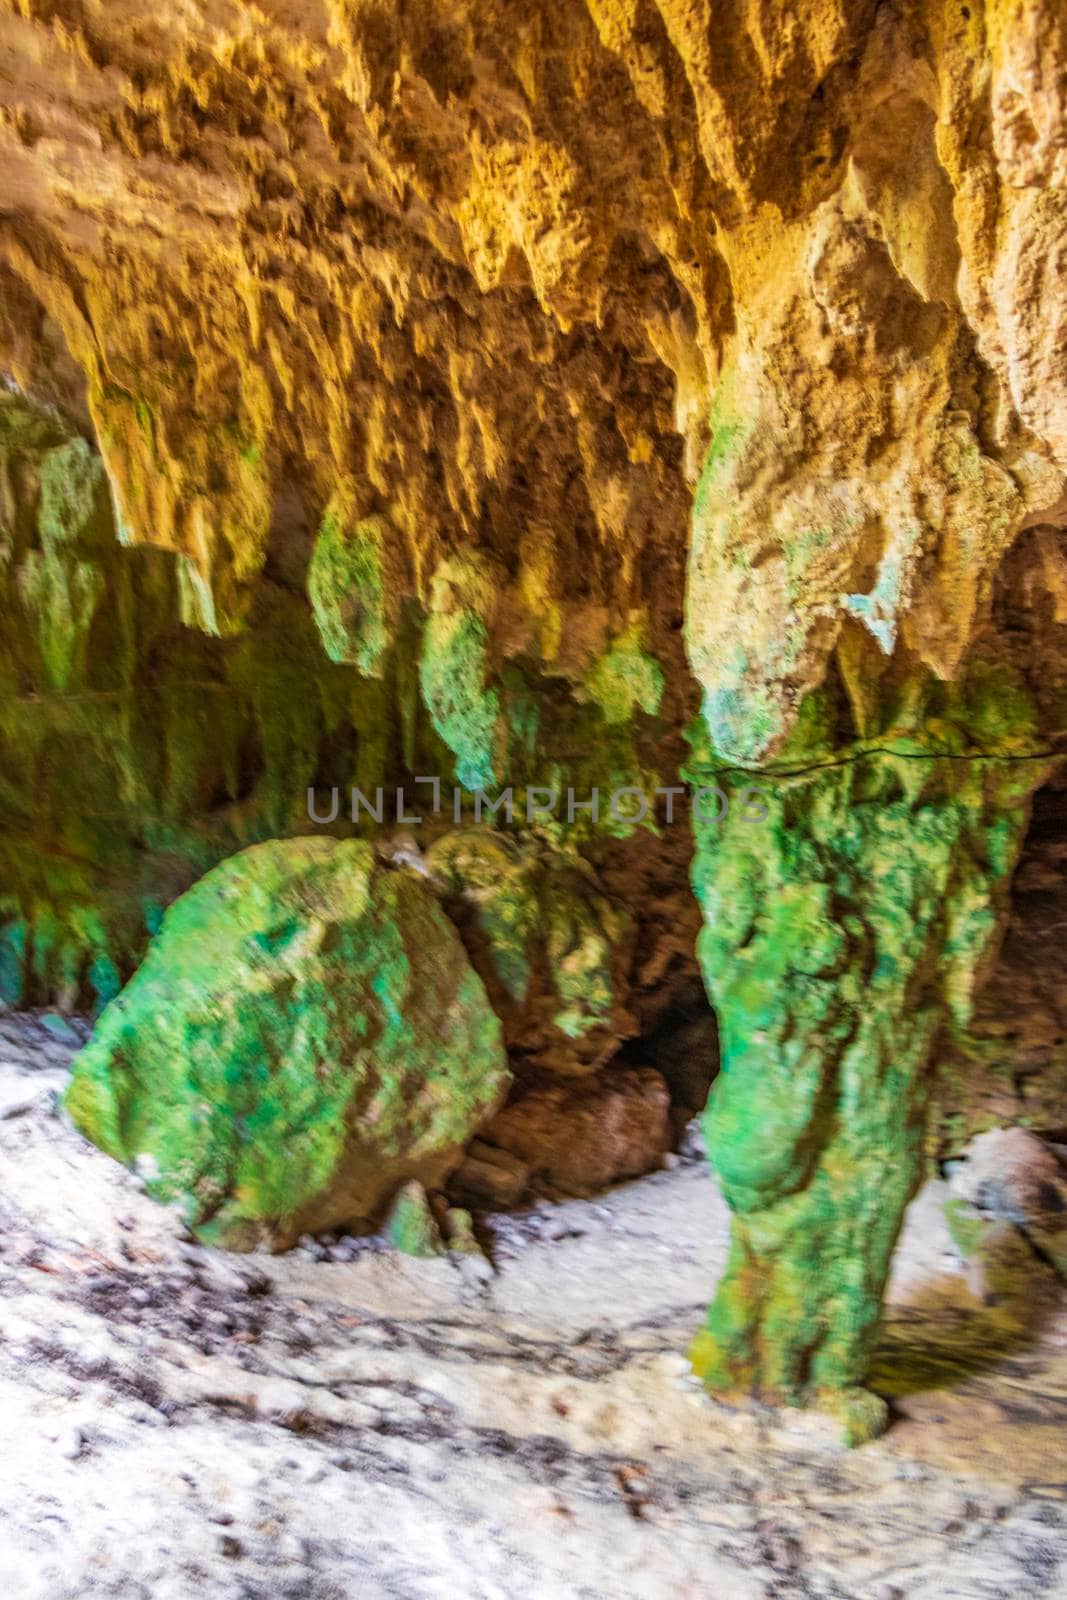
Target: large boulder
{"type": "Point", "coordinates": [305, 1035]}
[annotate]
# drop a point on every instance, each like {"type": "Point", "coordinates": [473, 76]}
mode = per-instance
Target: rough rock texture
{"type": "Point", "coordinates": [842, 934]}
{"type": "Point", "coordinates": [411, 1224]}
{"type": "Point", "coordinates": [483, 281]}
{"type": "Point", "coordinates": [1010, 1064]}
{"type": "Point", "coordinates": [304, 1036]}
{"type": "Point", "coordinates": [512, 383]}
{"type": "Point", "coordinates": [1009, 1175]}
{"type": "Point", "coordinates": [135, 752]}
{"type": "Point", "coordinates": [564, 1139]}
{"type": "Point", "coordinates": [549, 944]}
{"type": "Point", "coordinates": [187, 747]}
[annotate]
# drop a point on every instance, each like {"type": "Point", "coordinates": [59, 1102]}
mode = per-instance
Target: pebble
{"type": "Point", "coordinates": [70, 1443]}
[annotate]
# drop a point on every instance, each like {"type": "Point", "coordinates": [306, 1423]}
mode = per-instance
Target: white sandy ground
{"type": "Point", "coordinates": [175, 1422]}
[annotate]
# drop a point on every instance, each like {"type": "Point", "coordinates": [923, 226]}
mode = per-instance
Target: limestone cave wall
{"type": "Point", "coordinates": [580, 393]}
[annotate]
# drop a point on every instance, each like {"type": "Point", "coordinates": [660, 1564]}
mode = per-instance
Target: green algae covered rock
{"type": "Point", "coordinates": [349, 589]}
{"type": "Point", "coordinates": [845, 929]}
{"type": "Point", "coordinates": [411, 1224]}
{"type": "Point", "coordinates": [455, 667]}
{"type": "Point", "coordinates": [549, 943]}
{"type": "Point", "coordinates": [304, 1036]}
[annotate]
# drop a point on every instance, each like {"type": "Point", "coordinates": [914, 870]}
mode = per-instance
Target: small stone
{"type": "Point", "coordinates": [411, 1225]}
{"type": "Point", "coordinates": [61, 1029]}
{"type": "Point", "coordinates": [230, 1547]}
{"type": "Point", "coordinates": [1015, 1178]}
{"type": "Point", "coordinates": [70, 1443]}
{"type": "Point", "coordinates": [310, 1249]}
{"type": "Point", "coordinates": [460, 1232]}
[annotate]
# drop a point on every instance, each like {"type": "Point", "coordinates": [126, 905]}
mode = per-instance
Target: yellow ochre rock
{"type": "Point", "coordinates": [589, 288]}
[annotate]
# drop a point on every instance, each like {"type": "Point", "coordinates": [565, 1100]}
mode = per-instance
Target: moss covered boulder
{"type": "Point", "coordinates": [305, 1035]}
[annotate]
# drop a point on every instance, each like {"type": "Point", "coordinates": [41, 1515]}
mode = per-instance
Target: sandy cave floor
{"type": "Point", "coordinates": [175, 1422]}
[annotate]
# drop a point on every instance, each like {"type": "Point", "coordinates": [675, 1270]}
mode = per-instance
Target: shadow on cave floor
{"type": "Point", "coordinates": [939, 1336]}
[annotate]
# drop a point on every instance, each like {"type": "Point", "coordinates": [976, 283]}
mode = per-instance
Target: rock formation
{"type": "Point", "coordinates": [304, 1036]}
{"type": "Point", "coordinates": [503, 391]}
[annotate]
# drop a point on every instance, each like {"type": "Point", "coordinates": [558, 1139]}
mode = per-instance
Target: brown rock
{"type": "Point", "coordinates": [1014, 1177]}
{"type": "Point", "coordinates": [492, 1179]}
{"type": "Point", "coordinates": [578, 1138]}
{"type": "Point", "coordinates": [1002, 1267]}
